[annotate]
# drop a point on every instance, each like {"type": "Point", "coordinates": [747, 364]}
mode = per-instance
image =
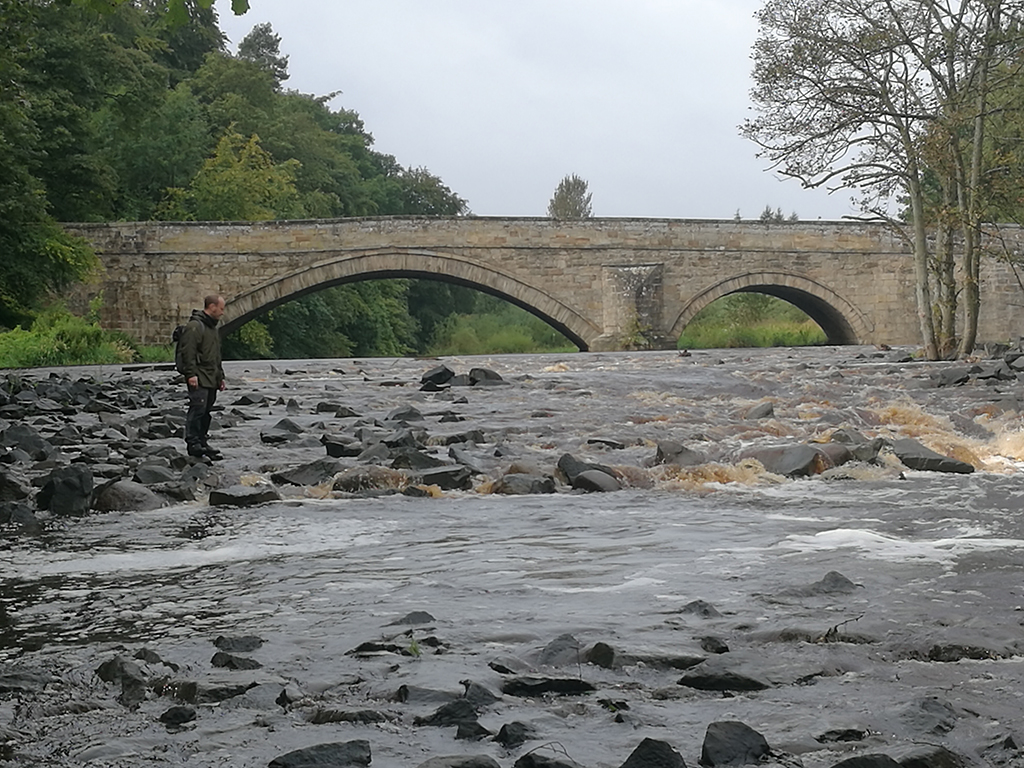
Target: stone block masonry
{"type": "Point", "coordinates": [597, 281]}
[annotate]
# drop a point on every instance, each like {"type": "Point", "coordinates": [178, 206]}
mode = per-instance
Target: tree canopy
{"type": "Point", "coordinates": [571, 199]}
{"type": "Point", "coordinates": [129, 114]}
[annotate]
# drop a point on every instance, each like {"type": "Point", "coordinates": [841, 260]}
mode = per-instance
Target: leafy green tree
{"type": "Point", "coordinates": [241, 182]}
{"type": "Point", "coordinates": [178, 11]}
{"type": "Point", "coordinates": [571, 199]}
{"type": "Point", "coordinates": [263, 48]}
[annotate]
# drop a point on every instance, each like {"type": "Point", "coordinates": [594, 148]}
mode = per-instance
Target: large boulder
{"type": "Point", "coordinates": [67, 491]}
{"type": "Point", "coordinates": [916, 456]}
{"type": "Point", "coordinates": [730, 742]}
{"type": "Point", "coordinates": [336, 754]}
{"type": "Point", "coordinates": [790, 460]}
{"type": "Point", "coordinates": [652, 753]}
{"type": "Point", "coordinates": [126, 496]}
{"type": "Point", "coordinates": [243, 496]}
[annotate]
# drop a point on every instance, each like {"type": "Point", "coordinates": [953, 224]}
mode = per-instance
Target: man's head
{"type": "Point", "coordinates": [213, 306]}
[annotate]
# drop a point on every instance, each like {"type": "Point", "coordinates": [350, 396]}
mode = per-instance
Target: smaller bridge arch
{"type": "Point", "coordinates": [389, 263]}
{"type": "Point", "coordinates": [841, 321]}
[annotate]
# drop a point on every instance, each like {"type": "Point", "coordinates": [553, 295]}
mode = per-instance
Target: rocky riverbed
{"type": "Point", "coordinates": [792, 557]}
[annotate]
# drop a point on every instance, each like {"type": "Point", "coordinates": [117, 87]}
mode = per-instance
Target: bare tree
{"type": "Point", "coordinates": [866, 94]}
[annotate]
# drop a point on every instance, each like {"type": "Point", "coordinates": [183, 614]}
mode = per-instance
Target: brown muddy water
{"type": "Point", "coordinates": [936, 559]}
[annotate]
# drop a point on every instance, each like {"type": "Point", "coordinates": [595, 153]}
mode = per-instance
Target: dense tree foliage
{"type": "Point", "coordinates": [135, 110]}
{"type": "Point", "coordinates": [571, 199]}
{"type": "Point", "coordinates": [895, 98]}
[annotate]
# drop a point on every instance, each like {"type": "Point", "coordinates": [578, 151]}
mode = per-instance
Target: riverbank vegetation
{"type": "Point", "coordinates": [750, 320]}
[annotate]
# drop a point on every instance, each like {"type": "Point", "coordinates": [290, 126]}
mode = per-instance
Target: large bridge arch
{"type": "Point", "coordinates": [841, 321]}
{"type": "Point", "coordinates": [387, 263]}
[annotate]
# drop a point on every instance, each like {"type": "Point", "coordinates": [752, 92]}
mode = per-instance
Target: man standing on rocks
{"type": "Point", "coordinates": [200, 363]}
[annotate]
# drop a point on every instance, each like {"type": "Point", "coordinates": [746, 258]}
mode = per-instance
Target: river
{"type": "Point", "coordinates": [935, 560]}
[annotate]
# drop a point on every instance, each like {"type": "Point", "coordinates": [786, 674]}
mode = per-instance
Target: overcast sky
{"type": "Point", "coordinates": [503, 98]}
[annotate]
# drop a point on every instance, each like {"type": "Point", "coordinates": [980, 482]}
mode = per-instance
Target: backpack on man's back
{"type": "Point", "coordinates": [179, 359]}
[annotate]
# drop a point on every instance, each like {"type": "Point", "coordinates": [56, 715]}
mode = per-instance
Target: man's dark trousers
{"type": "Point", "coordinates": [197, 420]}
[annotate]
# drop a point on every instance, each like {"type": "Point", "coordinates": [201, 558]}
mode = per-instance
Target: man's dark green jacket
{"type": "Point", "coordinates": [200, 350]}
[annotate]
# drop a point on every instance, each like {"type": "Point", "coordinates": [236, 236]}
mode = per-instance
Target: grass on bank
{"type": "Point", "coordinates": [502, 328]}
{"type": "Point", "coordinates": [750, 320]}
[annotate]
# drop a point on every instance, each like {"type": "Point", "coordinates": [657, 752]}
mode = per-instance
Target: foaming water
{"type": "Point", "coordinates": [932, 560]}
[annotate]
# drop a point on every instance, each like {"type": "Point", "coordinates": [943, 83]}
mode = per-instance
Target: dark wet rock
{"type": "Point", "coordinates": [238, 643]}
{"type": "Point", "coordinates": [193, 692]}
{"type": "Point", "coordinates": [19, 517]}
{"type": "Point", "coordinates": [224, 660]}
{"type": "Point", "coordinates": [339, 446]}
{"type": "Point", "coordinates": [595, 480]}
{"type": "Point", "coordinates": [405, 438]}
{"type": "Point", "coordinates": [730, 742]}
{"type": "Point", "coordinates": [515, 734]}
{"type": "Point", "coordinates": [339, 754]}
{"type": "Point", "coordinates": [713, 644]}
{"type": "Point", "coordinates": [17, 680]}
{"type": "Point", "coordinates": [118, 668]}
{"type": "Point", "coordinates": [361, 716]}
{"type": "Point", "coordinates": [678, 661]}
{"type": "Point", "coordinates": [916, 456]}
{"type": "Point", "coordinates": [867, 761]}
{"type": "Point", "coordinates": [700, 608]}
{"type": "Point", "coordinates": [652, 753]}
{"type": "Point", "coordinates": [837, 453]}
{"type": "Point", "coordinates": [438, 375]}
{"type": "Point", "coordinates": [948, 652]}
{"type": "Point", "coordinates": [765, 410]}
{"type": "Point", "coordinates": [671, 452]}
{"type": "Point", "coordinates": [448, 478]}
{"type": "Point", "coordinates": [460, 456]}
{"type": "Point", "coordinates": [600, 655]}
{"type": "Point", "coordinates": [151, 474]}
{"type": "Point", "coordinates": [25, 438]}
{"type": "Point", "coordinates": [413, 458]}
{"type": "Point", "coordinates": [414, 694]}
{"type": "Point", "coordinates": [835, 735]}
{"type": "Point", "coordinates": [509, 665]}
{"type": "Point", "coordinates": [478, 695]}
{"type": "Point", "coordinates": [243, 496]}
{"type": "Point", "coordinates": [538, 686]}
{"type": "Point", "coordinates": [607, 442]}
{"type": "Point", "coordinates": [460, 761]}
{"type": "Point", "coordinates": [471, 730]}
{"type": "Point", "coordinates": [790, 460]}
{"type": "Point", "coordinates": [516, 483]}
{"type": "Point", "coordinates": [178, 715]}
{"type": "Point", "coordinates": [451, 713]}
{"type": "Point", "coordinates": [370, 477]}
{"type": "Point", "coordinates": [931, 756]}
{"type": "Point", "coordinates": [832, 583]}
{"type": "Point", "coordinates": [570, 467]}
{"type": "Point", "coordinates": [484, 376]}
{"type": "Point", "coordinates": [564, 649]}
{"type": "Point", "coordinates": [67, 491]}
{"type": "Point", "coordinates": [376, 453]}
{"type": "Point", "coordinates": [721, 680]}
{"type": "Point", "coordinates": [414, 617]}
{"type": "Point", "coordinates": [474, 436]}
{"type": "Point", "coordinates": [313, 473]}
{"type": "Point", "coordinates": [126, 496]}
{"type": "Point", "coordinates": [953, 376]}
{"type": "Point", "coordinates": [538, 760]}
{"type": "Point", "coordinates": [278, 436]}
{"type": "Point", "coordinates": [405, 413]}
{"type": "Point", "coordinates": [929, 716]}
{"type": "Point", "coordinates": [12, 489]}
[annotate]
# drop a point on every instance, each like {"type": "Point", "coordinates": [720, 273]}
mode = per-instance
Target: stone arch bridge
{"type": "Point", "coordinates": [604, 283]}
